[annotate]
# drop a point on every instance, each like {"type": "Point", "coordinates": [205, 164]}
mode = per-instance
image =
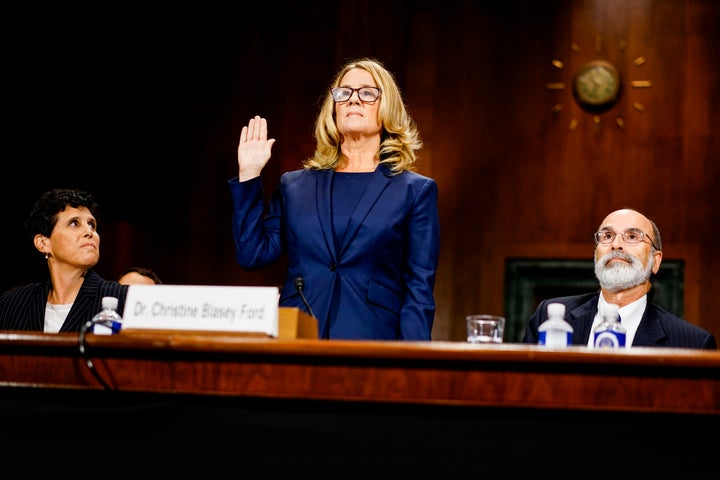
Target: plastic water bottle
{"type": "Point", "coordinates": [555, 331]}
{"type": "Point", "coordinates": [610, 333]}
{"type": "Point", "coordinates": [107, 321]}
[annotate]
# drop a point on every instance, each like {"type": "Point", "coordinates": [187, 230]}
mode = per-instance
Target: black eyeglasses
{"type": "Point", "coordinates": [365, 94]}
{"type": "Point", "coordinates": [631, 236]}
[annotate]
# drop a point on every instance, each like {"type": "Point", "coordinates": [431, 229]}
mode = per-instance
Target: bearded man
{"type": "Point", "coordinates": [628, 251]}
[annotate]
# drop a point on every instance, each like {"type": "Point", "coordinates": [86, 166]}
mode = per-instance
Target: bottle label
{"type": "Point", "coordinates": [102, 329]}
{"type": "Point", "coordinates": [554, 338]}
{"type": "Point", "coordinates": [609, 339]}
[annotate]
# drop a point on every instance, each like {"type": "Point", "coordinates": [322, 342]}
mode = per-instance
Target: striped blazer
{"type": "Point", "coordinates": [23, 308]}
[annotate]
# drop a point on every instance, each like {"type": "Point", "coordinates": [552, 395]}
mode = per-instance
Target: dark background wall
{"type": "Point", "coordinates": [143, 106]}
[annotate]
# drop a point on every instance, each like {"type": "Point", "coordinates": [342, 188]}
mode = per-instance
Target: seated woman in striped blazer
{"type": "Point", "coordinates": [63, 228]}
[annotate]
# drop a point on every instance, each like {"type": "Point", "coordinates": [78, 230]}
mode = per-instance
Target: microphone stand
{"type": "Point", "coordinates": [299, 285]}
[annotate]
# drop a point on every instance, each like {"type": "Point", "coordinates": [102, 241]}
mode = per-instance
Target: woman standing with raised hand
{"type": "Point", "coordinates": [359, 227]}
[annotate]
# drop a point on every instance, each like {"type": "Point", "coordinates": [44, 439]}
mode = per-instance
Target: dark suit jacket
{"type": "Point", "coordinates": [658, 327]}
{"type": "Point", "coordinates": [378, 284]}
{"type": "Point", "coordinates": [23, 308]}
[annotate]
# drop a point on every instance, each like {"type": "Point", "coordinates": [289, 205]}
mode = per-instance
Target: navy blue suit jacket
{"type": "Point", "coordinates": [378, 284]}
{"type": "Point", "coordinates": [658, 327]}
{"type": "Point", "coordinates": [23, 308]}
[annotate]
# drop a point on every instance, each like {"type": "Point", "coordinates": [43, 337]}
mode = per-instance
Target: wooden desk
{"type": "Point", "coordinates": [451, 373]}
{"type": "Point", "coordinates": [410, 407]}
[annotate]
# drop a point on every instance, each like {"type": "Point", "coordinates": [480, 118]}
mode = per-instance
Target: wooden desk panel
{"type": "Point", "coordinates": [439, 373]}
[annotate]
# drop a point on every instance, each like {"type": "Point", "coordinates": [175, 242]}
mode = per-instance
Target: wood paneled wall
{"type": "Point", "coordinates": [148, 116]}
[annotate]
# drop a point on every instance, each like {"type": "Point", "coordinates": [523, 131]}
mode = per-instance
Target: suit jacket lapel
{"type": "Point", "coordinates": [378, 182]}
{"type": "Point", "coordinates": [84, 304]}
{"type": "Point", "coordinates": [323, 201]}
{"type": "Point", "coordinates": [582, 318]}
{"type": "Point", "coordinates": [650, 331]}
{"type": "Point", "coordinates": [39, 304]}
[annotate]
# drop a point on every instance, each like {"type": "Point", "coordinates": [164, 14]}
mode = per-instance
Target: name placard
{"type": "Point", "coordinates": [202, 308]}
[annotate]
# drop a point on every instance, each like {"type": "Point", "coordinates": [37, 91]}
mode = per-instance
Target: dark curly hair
{"type": "Point", "coordinates": [145, 272]}
{"type": "Point", "coordinates": [44, 214]}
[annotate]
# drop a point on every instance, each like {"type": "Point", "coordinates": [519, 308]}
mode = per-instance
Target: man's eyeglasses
{"type": "Point", "coordinates": [365, 94]}
{"type": "Point", "coordinates": [631, 236]}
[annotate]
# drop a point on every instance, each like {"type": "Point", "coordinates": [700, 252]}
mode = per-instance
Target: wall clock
{"type": "Point", "coordinates": [596, 86]}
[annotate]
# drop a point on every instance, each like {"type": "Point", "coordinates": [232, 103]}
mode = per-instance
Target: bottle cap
{"type": "Point", "coordinates": [611, 310]}
{"type": "Point", "coordinates": [556, 309]}
{"type": "Point", "coordinates": [110, 302]}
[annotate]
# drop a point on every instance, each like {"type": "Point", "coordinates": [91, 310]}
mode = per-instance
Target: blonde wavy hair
{"type": "Point", "coordinates": [399, 140]}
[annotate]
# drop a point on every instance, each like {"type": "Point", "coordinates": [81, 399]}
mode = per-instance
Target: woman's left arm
{"type": "Point", "coordinates": [418, 311]}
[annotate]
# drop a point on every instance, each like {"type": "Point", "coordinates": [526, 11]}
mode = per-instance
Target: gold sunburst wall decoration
{"type": "Point", "coordinates": [596, 84]}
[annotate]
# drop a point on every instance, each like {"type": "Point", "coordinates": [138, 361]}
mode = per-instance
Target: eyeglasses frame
{"type": "Point", "coordinates": [622, 235]}
{"type": "Point", "coordinates": [379, 93]}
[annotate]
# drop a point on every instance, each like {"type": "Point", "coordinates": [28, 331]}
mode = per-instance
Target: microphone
{"type": "Point", "coordinates": [299, 285]}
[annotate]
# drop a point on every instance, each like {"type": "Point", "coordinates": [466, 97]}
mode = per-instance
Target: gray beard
{"type": "Point", "coordinates": [619, 276]}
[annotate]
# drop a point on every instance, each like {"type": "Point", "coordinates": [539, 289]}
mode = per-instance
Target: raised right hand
{"type": "Point", "coordinates": [254, 148]}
